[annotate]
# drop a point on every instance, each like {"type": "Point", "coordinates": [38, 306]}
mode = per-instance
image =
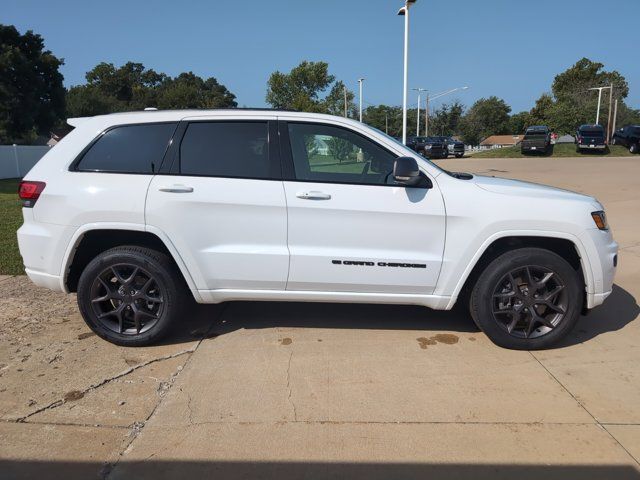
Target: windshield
{"type": "Point", "coordinates": [592, 131]}
{"type": "Point", "coordinates": [410, 153]}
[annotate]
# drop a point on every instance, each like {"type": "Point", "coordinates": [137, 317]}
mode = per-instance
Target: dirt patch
{"type": "Point", "coordinates": [446, 338]}
{"type": "Point", "coordinates": [286, 341]}
{"type": "Point", "coordinates": [73, 395]}
{"type": "Point", "coordinates": [84, 335]}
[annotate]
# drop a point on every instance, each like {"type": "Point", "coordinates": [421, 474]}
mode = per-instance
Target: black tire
{"type": "Point", "coordinates": [634, 148]}
{"type": "Point", "coordinates": [459, 155]}
{"type": "Point", "coordinates": [614, 141]}
{"type": "Point", "coordinates": [131, 296]}
{"type": "Point", "coordinates": [484, 301]}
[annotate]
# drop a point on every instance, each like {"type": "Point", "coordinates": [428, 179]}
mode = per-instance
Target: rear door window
{"type": "Point", "coordinates": [129, 149]}
{"type": "Point", "coordinates": [234, 149]}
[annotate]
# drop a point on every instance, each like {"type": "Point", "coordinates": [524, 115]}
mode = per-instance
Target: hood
{"type": "Point", "coordinates": [526, 189]}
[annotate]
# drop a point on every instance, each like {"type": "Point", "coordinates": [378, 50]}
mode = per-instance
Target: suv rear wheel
{"type": "Point", "coordinates": [130, 295]}
{"type": "Point", "coordinates": [527, 299]}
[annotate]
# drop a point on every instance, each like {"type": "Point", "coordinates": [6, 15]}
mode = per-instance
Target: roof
{"type": "Point", "coordinates": [502, 140]}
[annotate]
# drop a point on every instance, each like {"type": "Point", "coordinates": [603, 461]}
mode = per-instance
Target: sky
{"type": "Point", "coordinates": [508, 48]}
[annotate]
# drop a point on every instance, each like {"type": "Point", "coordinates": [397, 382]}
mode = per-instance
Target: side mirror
{"type": "Point", "coordinates": [406, 171]}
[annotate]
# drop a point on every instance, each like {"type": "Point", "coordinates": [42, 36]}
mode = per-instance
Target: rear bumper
{"type": "Point", "coordinates": [46, 280]}
{"type": "Point", "coordinates": [42, 247]}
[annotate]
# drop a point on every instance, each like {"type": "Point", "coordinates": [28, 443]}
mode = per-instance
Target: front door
{"type": "Point", "coordinates": [350, 228]}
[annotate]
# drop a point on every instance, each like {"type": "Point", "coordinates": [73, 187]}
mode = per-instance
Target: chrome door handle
{"type": "Point", "coordinates": [313, 195]}
{"type": "Point", "coordinates": [176, 189]}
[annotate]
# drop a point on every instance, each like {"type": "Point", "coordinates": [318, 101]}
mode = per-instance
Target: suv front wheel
{"type": "Point", "coordinates": [527, 299]}
{"type": "Point", "coordinates": [130, 295]}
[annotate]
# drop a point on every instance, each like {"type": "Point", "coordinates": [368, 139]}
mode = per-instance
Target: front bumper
{"type": "Point", "coordinates": [602, 250]}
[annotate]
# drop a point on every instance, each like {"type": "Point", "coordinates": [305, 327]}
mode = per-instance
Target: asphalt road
{"type": "Point", "coordinates": [294, 390]}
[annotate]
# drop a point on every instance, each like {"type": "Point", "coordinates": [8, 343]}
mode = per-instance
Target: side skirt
{"type": "Point", "coordinates": [226, 295]}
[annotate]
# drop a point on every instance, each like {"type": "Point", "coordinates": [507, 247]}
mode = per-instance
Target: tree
{"type": "Point", "coordinates": [446, 119]}
{"type": "Point", "coordinates": [133, 87]}
{"type": "Point", "coordinates": [571, 103]}
{"type": "Point", "coordinates": [518, 122]}
{"type": "Point", "coordinates": [302, 88]}
{"type": "Point", "coordinates": [487, 116]}
{"type": "Point", "coordinates": [385, 118]}
{"type": "Point", "coordinates": [31, 90]}
{"type": "Point", "coordinates": [188, 90]}
{"type": "Point", "coordinates": [334, 101]}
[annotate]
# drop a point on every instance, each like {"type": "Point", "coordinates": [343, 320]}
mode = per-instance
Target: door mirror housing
{"type": "Point", "coordinates": [406, 172]}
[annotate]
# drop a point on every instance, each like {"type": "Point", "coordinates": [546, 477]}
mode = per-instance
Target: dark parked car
{"type": "Point", "coordinates": [590, 137]}
{"type": "Point", "coordinates": [454, 147]}
{"type": "Point", "coordinates": [628, 136]}
{"type": "Point", "coordinates": [416, 143]}
{"type": "Point", "coordinates": [435, 147]}
{"type": "Point", "coordinates": [537, 139]}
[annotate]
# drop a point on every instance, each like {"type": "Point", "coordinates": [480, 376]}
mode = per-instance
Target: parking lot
{"type": "Point", "coordinates": [333, 390]}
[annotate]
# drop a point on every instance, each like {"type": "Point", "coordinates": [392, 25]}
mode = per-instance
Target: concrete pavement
{"type": "Point", "coordinates": [332, 391]}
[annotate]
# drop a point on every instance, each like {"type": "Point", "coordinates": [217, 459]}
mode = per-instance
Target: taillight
{"type": "Point", "coordinates": [29, 192]}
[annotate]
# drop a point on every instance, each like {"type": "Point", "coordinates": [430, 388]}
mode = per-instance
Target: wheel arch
{"type": "Point", "coordinates": [566, 245]}
{"type": "Point", "coordinates": [90, 240]}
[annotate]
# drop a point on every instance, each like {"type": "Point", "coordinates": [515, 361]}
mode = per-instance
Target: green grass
{"type": "Point", "coordinates": [559, 150]}
{"type": "Point", "coordinates": [10, 220]}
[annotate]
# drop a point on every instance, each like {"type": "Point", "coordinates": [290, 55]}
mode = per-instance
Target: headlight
{"type": "Point", "coordinates": [427, 147]}
{"type": "Point", "coordinates": [600, 219]}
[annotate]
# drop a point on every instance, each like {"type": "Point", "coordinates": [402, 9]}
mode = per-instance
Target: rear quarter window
{"type": "Point", "coordinates": [128, 149]}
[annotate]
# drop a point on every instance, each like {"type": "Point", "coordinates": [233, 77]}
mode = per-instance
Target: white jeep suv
{"type": "Point", "coordinates": [138, 211]}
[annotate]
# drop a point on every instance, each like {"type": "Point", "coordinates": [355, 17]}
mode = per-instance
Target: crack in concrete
{"type": "Point", "coordinates": [137, 429]}
{"type": "Point", "coordinates": [126, 372]}
{"type": "Point", "coordinates": [289, 399]}
{"type": "Point", "coordinates": [190, 409]}
{"type": "Point", "coordinates": [597, 422]}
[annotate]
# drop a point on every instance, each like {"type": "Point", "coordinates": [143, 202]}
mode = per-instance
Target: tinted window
{"type": "Point", "coordinates": [592, 131]}
{"type": "Point", "coordinates": [129, 149]}
{"type": "Point", "coordinates": [227, 149]}
{"type": "Point", "coordinates": [324, 153]}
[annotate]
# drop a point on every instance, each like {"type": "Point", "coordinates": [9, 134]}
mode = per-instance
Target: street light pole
{"type": "Point", "coordinates": [405, 11]}
{"type": "Point", "coordinates": [360, 80]}
{"type": "Point", "coordinates": [599, 101]}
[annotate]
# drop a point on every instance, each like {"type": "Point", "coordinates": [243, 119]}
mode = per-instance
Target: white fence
{"type": "Point", "coordinates": [17, 160]}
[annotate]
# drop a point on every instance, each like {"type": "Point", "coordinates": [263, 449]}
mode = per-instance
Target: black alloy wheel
{"type": "Point", "coordinates": [529, 301]}
{"type": "Point", "coordinates": [527, 298]}
{"type": "Point", "coordinates": [131, 295]}
{"type": "Point", "coordinates": [127, 299]}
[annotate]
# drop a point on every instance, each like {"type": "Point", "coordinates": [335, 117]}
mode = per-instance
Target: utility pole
{"type": "Point", "coordinates": [344, 88]}
{"type": "Point", "coordinates": [360, 80]}
{"type": "Point", "coordinates": [426, 117]}
{"type": "Point", "coordinates": [386, 123]}
{"type": "Point", "coordinates": [615, 116]}
{"type": "Point", "coordinates": [419, 90]}
{"type": "Point", "coordinates": [609, 131]}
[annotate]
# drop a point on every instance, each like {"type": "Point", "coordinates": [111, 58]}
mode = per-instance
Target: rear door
{"type": "Point", "coordinates": [222, 205]}
{"type": "Point", "coordinates": [350, 228]}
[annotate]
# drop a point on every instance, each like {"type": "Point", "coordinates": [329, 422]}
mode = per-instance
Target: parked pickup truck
{"type": "Point", "coordinates": [537, 139]}
{"type": "Point", "coordinates": [141, 212]}
{"type": "Point", "coordinates": [628, 136]}
{"type": "Point", "coordinates": [590, 137]}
